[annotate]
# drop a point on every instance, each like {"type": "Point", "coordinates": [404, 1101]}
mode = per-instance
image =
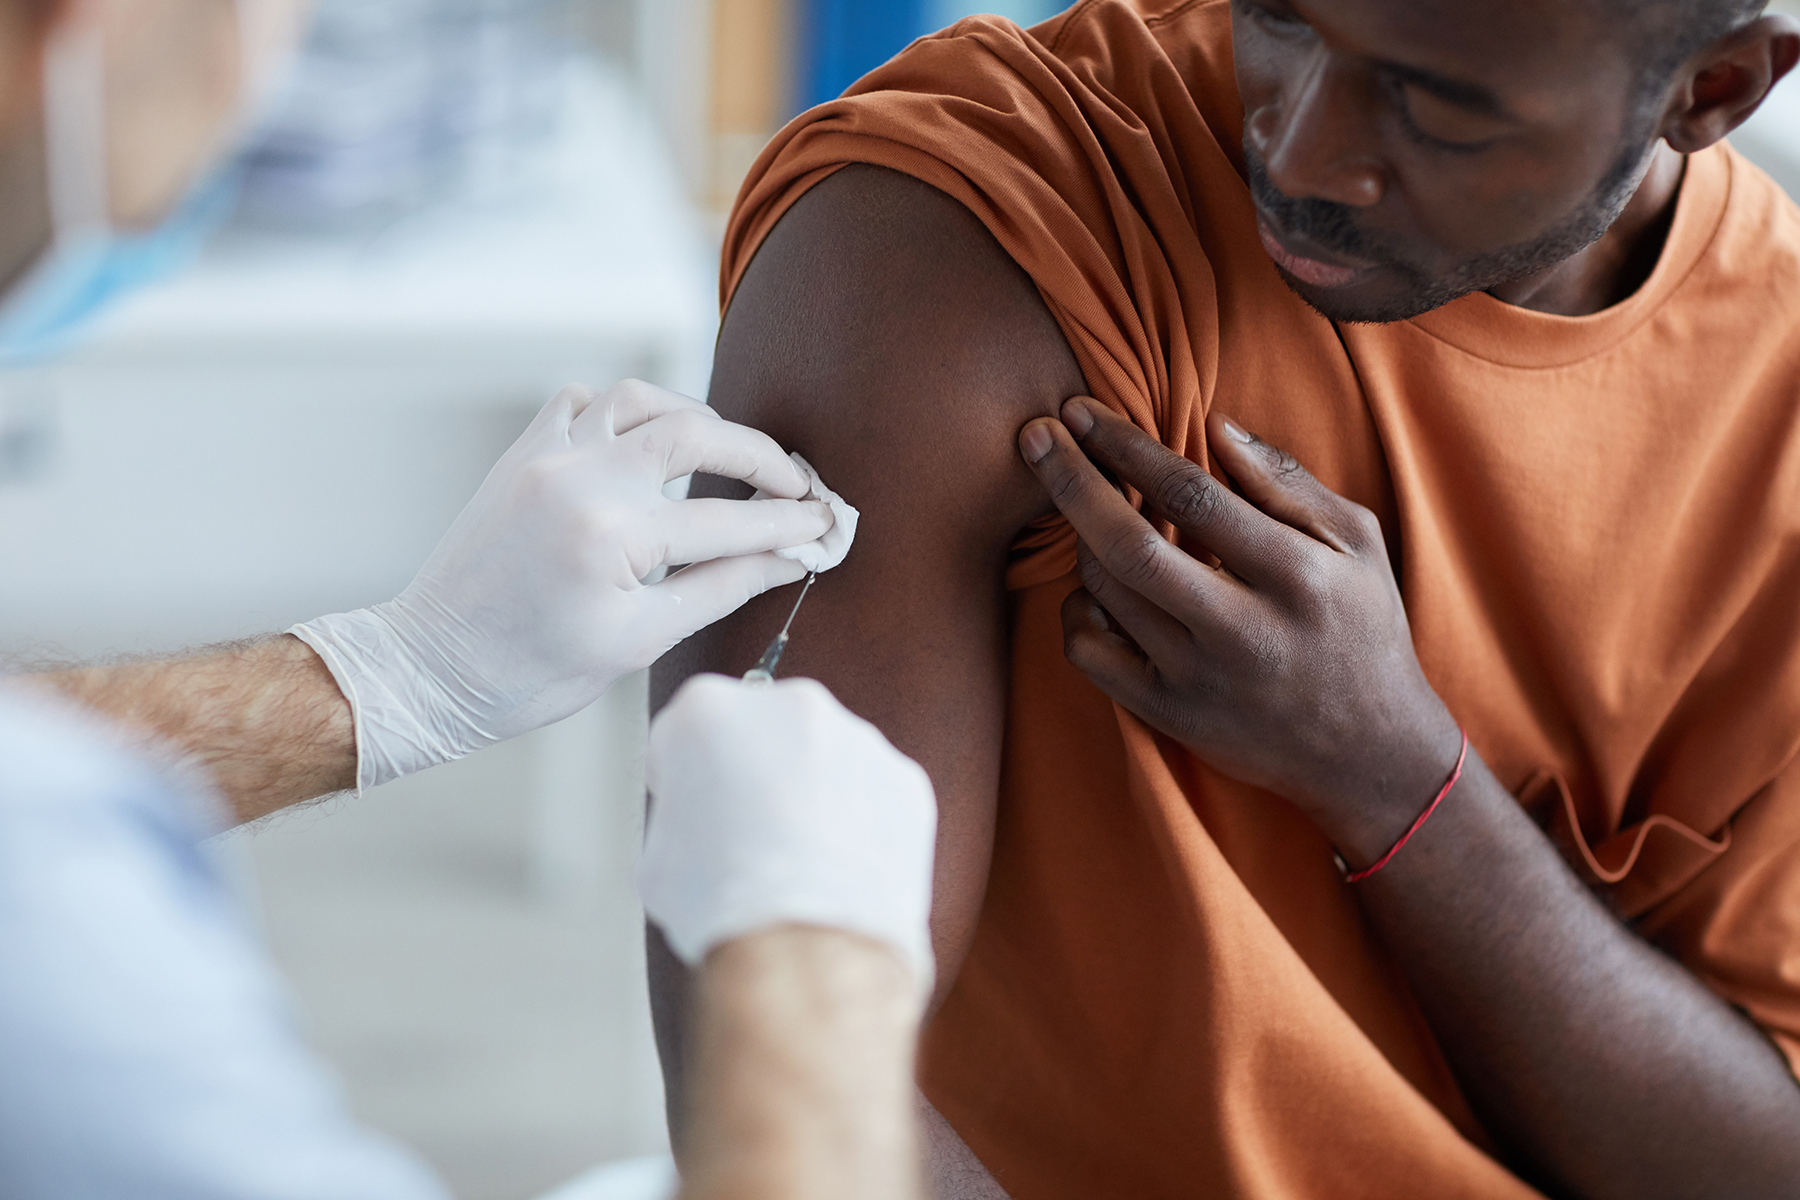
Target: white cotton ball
{"type": "Point", "coordinates": [831, 549]}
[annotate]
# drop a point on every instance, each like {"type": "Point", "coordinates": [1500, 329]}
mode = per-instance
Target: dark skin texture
{"type": "Point", "coordinates": [822, 349]}
{"type": "Point", "coordinates": [1603, 1067]}
{"type": "Point", "coordinates": [1447, 135]}
{"type": "Point", "coordinates": [883, 333]}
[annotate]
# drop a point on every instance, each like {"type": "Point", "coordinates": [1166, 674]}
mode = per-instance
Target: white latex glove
{"type": "Point", "coordinates": [774, 804]}
{"type": "Point", "coordinates": [533, 605]}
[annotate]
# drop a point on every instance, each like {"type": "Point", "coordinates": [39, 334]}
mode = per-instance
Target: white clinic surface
{"type": "Point", "coordinates": [831, 550]}
{"type": "Point", "coordinates": [287, 432]}
{"type": "Point", "coordinates": [346, 391]}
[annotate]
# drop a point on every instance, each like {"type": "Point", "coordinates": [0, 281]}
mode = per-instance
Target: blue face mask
{"type": "Point", "coordinates": [81, 275]}
{"type": "Point", "coordinates": [89, 264]}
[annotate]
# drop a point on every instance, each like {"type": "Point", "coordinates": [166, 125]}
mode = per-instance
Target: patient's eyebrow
{"type": "Point", "coordinates": [1462, 94]}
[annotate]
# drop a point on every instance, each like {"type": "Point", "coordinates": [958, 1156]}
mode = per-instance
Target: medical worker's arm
{"type": "Point", "coordinates": [883, 333]}
{"type": "Point", "coordinates": [803, 1065]}
{"type": "Point", "coordinates": [264, 718]}
{"type": "Point", "coordinates": [147, 1049]}
{"type": "Point", "coordinates": [529, 609]}
{"type": "Point", "coordinates": [788, 859]}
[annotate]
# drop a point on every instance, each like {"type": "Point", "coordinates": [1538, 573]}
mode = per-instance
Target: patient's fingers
{"type": "Point", "coordinates": [1128, 546]}
{"type": "Point", "coordinates": [1161, 636]}
{"type": "Point", "coordinates": [1097, 646]}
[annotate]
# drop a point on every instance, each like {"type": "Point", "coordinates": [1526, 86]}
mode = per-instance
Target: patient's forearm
{"type": "Point", "coordinates": [802, 1077]}
{"type": "Point", "coordinates": [264, 718]}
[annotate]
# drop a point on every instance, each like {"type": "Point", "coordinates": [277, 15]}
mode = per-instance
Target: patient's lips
{"type": "Point", "coordinates": [1325, 270]}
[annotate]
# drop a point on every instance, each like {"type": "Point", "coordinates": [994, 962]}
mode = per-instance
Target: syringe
{"type": "Point", "coordinates": [764, 670]}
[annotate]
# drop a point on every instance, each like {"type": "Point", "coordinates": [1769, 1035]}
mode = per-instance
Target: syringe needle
{"type": "Point", "coordinates": [764, 670]}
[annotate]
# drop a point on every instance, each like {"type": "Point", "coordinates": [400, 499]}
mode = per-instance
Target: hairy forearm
{"type": "Point", "coordinates": [263, 718]}
{"type": "Point", "coordinates": [1606, 1068]}
{"type": "Point", "coordinates": [802, 1082]}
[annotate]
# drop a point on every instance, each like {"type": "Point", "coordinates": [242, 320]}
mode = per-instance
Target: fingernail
{"type": "Point", "coordinates": [1232, 431]}
{"type": "Point", "coordinates": [1036, 442]}
{"type": "Point", "coordinates": [1078, 418]}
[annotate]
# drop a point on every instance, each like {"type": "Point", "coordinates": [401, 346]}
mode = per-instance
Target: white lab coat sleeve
{"type": "Point", "coordinates": [146, 1047]}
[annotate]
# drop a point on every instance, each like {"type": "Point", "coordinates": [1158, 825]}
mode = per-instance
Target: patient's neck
{"type": "Point", "coordinates": [1620, 262]}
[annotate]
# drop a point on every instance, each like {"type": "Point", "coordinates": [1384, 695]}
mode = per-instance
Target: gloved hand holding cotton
{"type": "Point", "coordinates": [535, 602]}
{"type": "Point", "coordinates": [831, 549]}
{"type": "Point", "coordinates": [774, 805]}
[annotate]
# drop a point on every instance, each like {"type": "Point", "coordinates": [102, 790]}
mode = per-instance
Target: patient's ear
{"type": "Point", "coordinates": [1725, 83]}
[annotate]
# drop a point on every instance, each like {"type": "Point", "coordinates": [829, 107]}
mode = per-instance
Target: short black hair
{"type": "Point", "coordinates": [1669, 32]}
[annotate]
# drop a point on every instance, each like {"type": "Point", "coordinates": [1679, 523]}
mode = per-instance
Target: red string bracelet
{"type": "Point", "coordinates": [1358, 876]}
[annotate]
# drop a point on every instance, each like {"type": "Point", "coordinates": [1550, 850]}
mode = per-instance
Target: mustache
{"type": "Point", "coordinates": [1328, 224]}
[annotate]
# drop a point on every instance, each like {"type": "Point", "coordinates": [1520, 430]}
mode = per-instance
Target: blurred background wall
{"type": "Point", "coordinates": [780, 57]}
{"type": "Point", "coordinates": [783, 56]}
{"type": "Point", "coordinates": [456, 207]}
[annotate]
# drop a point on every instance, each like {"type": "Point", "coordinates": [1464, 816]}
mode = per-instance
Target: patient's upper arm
{"type": "Point", "coordinates": [883, 333]}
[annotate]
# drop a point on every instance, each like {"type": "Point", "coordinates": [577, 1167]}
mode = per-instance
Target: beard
{"type": "Point", "coordinates": [1334, 226]}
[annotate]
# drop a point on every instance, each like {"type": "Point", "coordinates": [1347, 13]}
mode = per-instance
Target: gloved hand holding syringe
{"type": "Point", "coordinates": [771, 804]}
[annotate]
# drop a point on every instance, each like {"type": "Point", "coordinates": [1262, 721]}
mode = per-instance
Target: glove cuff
{"type": "Point", "coordinates": [692, 942]}
{"type": "Point", "coordinates": [400, 722]}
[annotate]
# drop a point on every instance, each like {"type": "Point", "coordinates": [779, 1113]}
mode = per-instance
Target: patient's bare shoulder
{"type": "Point", "coordinates": [882, 332]}
{"type": "Point", "coordinates": [880, 307]}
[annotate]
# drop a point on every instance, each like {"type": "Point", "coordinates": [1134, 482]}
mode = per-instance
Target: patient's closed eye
{"type": "Point", "coordinates": [1445, 123]}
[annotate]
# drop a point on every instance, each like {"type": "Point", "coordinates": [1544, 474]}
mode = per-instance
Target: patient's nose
{"type": "Point", "coordinates": [1317, 136]}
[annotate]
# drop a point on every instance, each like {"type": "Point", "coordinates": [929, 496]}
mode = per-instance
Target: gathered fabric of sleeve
{"type": "Point", "coordinates": [1092, 153]}
{"type": "Point", "coordinates": [1083, 190]}
{"type": "Point", "coordinates": [1171, 991]}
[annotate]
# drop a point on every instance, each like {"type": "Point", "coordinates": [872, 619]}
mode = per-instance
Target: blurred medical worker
{"type": "Point", "coordinates": [144, 1047]}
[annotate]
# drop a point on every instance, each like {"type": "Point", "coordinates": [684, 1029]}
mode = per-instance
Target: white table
{"type": "Point", "coordinates": [288, 428]}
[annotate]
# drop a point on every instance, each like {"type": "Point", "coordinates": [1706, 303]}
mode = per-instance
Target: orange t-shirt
{"type": "Point", "coordinates": [1596, 523]}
